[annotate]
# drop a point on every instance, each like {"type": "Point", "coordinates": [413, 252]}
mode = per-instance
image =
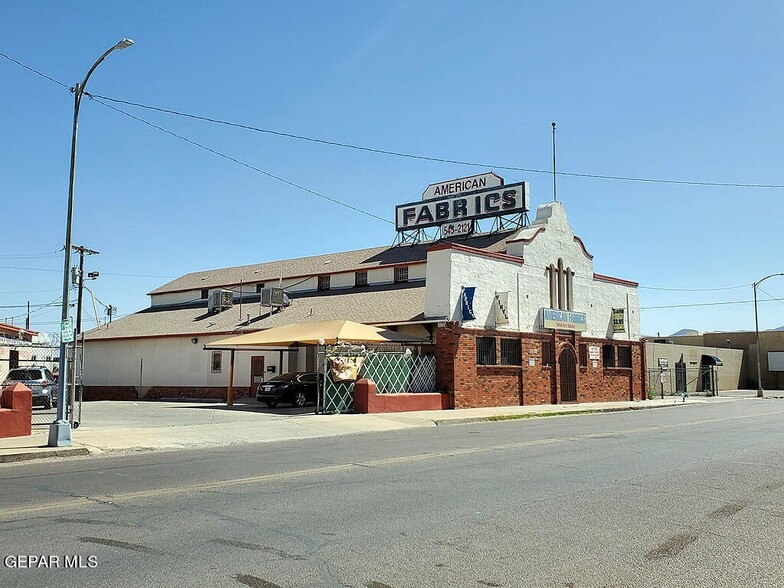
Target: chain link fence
{"type": "Point", "coordinates": [37, 365]}
{"type": "Point", "coordinates": [697, 381]}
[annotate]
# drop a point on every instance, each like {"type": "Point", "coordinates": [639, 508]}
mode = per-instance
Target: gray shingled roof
{"type": "Point", "coordinates": [384, 305]}
{"type": "Point", "coordinates": [360, 259]}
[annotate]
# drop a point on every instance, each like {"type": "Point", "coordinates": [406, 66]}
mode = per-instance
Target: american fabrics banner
{"type": "Point", "coordinates": [619, 326]}
{"type": "Point", "coordinates": [564, 320]}
{"type": "Point", "coordinates": [467, 303]}
{"type": "Point", "coordinates": [502, 308]}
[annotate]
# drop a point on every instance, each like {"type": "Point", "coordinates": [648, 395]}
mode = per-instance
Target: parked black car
{"type": "Point", "coordinates": [297, 388]}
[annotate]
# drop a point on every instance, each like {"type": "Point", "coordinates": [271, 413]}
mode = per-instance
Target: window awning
{"type": "Point", "coordinates": [711, 360]}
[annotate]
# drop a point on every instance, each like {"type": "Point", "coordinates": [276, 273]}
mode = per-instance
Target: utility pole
{"type": "Point", "coordinates": [82, 251]}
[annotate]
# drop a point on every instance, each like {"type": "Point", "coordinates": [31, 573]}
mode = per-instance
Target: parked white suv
{"type": "Point", "coordinates": [41, 382]}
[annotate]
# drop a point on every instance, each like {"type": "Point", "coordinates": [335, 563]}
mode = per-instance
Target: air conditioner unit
{"type": "Point", "coordinates": [275, 297]}
{"type": "Point", "coordinates": [220, 299]}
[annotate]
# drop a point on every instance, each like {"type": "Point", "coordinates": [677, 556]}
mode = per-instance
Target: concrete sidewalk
{"type": "Point", "coordinates": [110, 426]}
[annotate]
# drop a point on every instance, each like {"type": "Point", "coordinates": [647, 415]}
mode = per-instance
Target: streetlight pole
{"type": "Point", "coordinates": [760, 390]}
{"type": "Point", "coordinates": [60, 430]}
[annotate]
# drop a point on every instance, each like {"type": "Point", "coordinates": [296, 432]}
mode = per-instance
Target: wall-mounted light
{"type": "Point", "coordinates": [194, 340]}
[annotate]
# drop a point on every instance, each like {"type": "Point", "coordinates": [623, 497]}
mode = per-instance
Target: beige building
{"type": "Point", "coordinates": [771, 354]}
{"type": "Point", "coordinates": [695, 368]}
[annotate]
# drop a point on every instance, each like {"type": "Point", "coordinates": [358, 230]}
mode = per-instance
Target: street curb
{"type": "Point", "coordinates": [30, 455]}
{"type": "Point", "coordinates": [532, 415]}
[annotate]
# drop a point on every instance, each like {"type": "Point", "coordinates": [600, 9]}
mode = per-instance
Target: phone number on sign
{"type": "Point", "coordinates": [452, 229]}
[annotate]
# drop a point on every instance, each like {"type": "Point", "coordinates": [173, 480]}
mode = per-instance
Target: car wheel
{"type": "Point", "coordinates": [272, 404]}
{"type": "Point", "coordinates": [299, 399]}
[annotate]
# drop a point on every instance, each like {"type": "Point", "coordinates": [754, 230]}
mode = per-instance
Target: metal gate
{"type": "Point", "coordinates": [699, 381]}
{"type": "Point", "coordinates": [393, 372]}
{"type": "Point", "coordinates": [23, 354]}
{"type": "Point", "coordinates": [568, 373]}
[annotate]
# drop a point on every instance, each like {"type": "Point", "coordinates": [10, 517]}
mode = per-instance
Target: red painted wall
{"type": "Point", "coordinates": [367, 400]}
{"type": "Point", "coordinates": [16, 411]}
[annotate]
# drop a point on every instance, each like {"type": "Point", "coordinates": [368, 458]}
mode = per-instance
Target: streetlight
{"type": "Point", "coordinates": [760, 391]}
{"type": "Point", "coordinates": [60, 430]}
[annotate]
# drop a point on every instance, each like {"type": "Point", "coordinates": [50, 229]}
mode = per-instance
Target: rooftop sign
{"type": "Point", "coordinates": [460, 185]}
{"type": "Point", "coordinates": [498, 201]}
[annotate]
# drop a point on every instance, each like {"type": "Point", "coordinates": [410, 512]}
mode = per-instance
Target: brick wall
{"type": "Point", "coordinates": [533, 382]}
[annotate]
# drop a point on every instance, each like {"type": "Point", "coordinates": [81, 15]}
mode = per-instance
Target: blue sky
{"type": "Point", "coordinates": [672, 90]}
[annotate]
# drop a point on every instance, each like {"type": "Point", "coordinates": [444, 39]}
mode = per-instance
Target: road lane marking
{"type": "Point", "coordinates": [77, 502]}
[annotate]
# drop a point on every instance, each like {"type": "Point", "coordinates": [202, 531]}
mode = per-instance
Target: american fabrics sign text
{"type": "Point", "coordinates": [460, 185]}
{"type": "Point", "coordinates": [510, 199]}
{"type": "Point", "coordinates": [563, 320]}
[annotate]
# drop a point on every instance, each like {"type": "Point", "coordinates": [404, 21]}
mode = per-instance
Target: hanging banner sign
{"type": "Point", "coordinates": [460, 185]}
{"type": "Point", "coordinates": [619, 325]}
{"type": "Point", "coordinates": [467, 303]}
{"type": "Point", "coordinates": [565, 320]}
{"type": "Point", "coordinates": [511, 199]}
{"type": "Point", "coordinates": [502, 308]}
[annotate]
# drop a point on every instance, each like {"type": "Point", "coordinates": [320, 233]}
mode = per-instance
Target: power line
{"type": "Point", "coordinates": [388, 151]}
{"type": "Point", "coordinates": [26, 305]}
{"type": "Point", "coordinates": [708, 304]}
{"type": "Point", "coordinates": [30, 255]}
{"type": "Point", "coordinates": [429, 158]}
{"type": "Point", "coordinates": [694, 289]}
{"type": "Point", "coordinates": [771, 295]}
{"type": "Point", "coordinates": [41, 269]}
{"type": "Point", "coordinates": [35, 71]}
{"type": "Point", "coordinates": [239, 162]}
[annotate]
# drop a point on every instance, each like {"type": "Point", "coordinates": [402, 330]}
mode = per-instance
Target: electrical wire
{"type": "Point", "coordinates": [396, 153]}
{"type": "Point", "coordinates": [30, 255]}
{"type": "Point", "coordinates": [35, 71]}
{"type": "Point", "coordinates": [429, 158]}
{"type": "Point", "coordinates": [240, 162]}
{"type": "Point", "coordinates": [694, 289]}
{"type": "Point", "coordinates": [771, 295]}
{"type": "Point", "coordinates": [708, 304]}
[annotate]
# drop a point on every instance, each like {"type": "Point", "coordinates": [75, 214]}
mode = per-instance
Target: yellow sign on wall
{"type": "Point", "coordinates": [619, 326]}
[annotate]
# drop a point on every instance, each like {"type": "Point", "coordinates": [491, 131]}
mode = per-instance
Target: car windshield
{"type": "Point", "coordinates": [284, 378]}
{"type": "Point", "coordinates": [24, 374]}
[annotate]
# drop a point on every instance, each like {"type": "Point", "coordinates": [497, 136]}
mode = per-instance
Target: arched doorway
{"type": "Point", "coordinates": [568, 373]}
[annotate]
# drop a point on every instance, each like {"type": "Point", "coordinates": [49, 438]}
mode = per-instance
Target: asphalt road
{"type": "Point", "coordinates": [687, 496]}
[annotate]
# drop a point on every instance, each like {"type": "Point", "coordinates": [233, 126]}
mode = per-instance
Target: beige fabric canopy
{"type": "Point", "coordinates": [313, 333]}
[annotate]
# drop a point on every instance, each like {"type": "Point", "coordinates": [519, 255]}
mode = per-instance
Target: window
{"type": "Point", "coordinates": [13, 359]}
{"type": "Point", "coordinates": [401, 274]}
{"type": "Point", "coordinates": [259, 287]}
{"type": "Point", "coordinates": [624, 356]}
{"type": "Point", "coordinates": [583, 355]}
{"type": "Point", "coordinates": [561, 286]}
{"type": "Point", "coordinates": [485, 350]}
{"type": "Point", "coordinates": [205, 294]}
{"type": "Point", "coordinates": [323, 282]}
{"type": "Point", "coordinates": [547, 353]}
{"type": "Point", "coordinates": [217, 362]}
{"type": "Point", "coordinates": [360, 279]}
{"type": "Point", "coordinates": [510, 352]}
{"type": "Point", "coordinates": [608, 356]}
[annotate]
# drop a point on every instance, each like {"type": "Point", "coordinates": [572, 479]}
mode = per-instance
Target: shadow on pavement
{"type": "Point", "coordinates": [252, 405]}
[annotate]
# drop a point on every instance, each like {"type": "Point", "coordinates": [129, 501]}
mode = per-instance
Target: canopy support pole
{"type": "Point", "coordinates": [230, 391]}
